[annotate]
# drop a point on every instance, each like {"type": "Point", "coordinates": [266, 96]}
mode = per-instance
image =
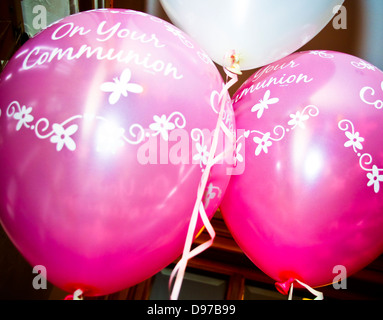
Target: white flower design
{"type": "Point", "coordinates": [322, 54]}
{"type": "Point", "coordinates": [264, 104]}
{"type": "Point", "coordinates": [265, 140]}
{"type": "Point", "coordinates": [363, 65]}
{"type": "Point", "coordinates": [375, 179]}
{"type": "Point", "coordinates": [354, 141]}
{"type": "Point", "coordinates": [298, 119]}
{"type": "Point", "coordinates": [365, 159]}
{"type": "Point", "coordinates": [263, 144]}
{"type": "Point", "coordinates": [237, 155]}
{"type": "Point", "coordinates": [110, 136]}
{"type": "Point", "coordinates": [62, 136]}
{"type": "Point", "coordinates": [23, 116]}
{"type": "Point", "coordinates": [121, 87]}
{"type": "Point", "coordinates": [162, 126]}
{"type": "Point", "coordinates": [202, 155]}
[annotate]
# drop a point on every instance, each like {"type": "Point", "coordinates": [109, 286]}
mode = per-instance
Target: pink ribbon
{"type": "Point", "coordinates": [199, 210]}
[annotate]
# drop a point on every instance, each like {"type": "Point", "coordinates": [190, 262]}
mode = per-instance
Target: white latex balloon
{"type": "Point", "coordinates": [259, 32]}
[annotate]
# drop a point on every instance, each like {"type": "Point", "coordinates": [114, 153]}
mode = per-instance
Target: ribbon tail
{"type": "Point", "coordinates": [318, 295]}
{"type": "Point", "coordinates": [291, 291]}
{"type": "Point", "coordinates": [77, 295]}
{"type": "Point", "coordinates": [283, 287]}
{"type": "Point", "coordinates": [199, 210]}
{"type": "Point", "coordinates": [180, 268]}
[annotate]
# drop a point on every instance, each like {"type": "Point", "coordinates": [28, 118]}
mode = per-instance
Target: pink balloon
{"type": "Point", "coordinates": [311, 195]}
{"type": "Point", "coordinates": [105, 127]}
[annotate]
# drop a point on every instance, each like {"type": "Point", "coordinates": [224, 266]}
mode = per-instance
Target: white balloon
{"type": "Point", "coordinates": [259, 32]}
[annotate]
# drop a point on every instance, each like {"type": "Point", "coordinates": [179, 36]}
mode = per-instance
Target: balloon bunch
{"type": "Point", "coordinates": [306, 195]}
{"type": "Point", "coordinates": [119, 140]}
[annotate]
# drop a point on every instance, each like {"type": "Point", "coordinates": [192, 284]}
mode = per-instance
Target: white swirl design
{"type": "Point", "coordinates": [363, 65]}
{"type": "Point", "coordinates": [365, 160]}
{"type": "Point", "coordinates": [378, 104]}
{"type": "Point", "coordinates": [265, 140]}
{"type": "Point", "coordinates": [322, 54]}
{"type": "Point", "coordinates": [62, 134]}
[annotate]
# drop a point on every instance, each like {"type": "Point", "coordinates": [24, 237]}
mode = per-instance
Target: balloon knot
{"type": "Point", "coordinates": [232, 62]}
{"type": "Point", "coordinates": [284, 287]}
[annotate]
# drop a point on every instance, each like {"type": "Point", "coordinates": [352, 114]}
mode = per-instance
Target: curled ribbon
{"type": "Point", "coordinates": [178, 272]}
{"type": "Point", "coordinates": [77, 295]}
{"type": "Point", "coordinates": [288, 287]}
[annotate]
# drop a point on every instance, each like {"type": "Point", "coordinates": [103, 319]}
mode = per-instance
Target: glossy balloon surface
{"type": "Point", "coordinates": [105, 125]}
{"type": "Point", "coordinates": [311, 194]}
{"type": "Point", "coordinates": [259, 32]}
